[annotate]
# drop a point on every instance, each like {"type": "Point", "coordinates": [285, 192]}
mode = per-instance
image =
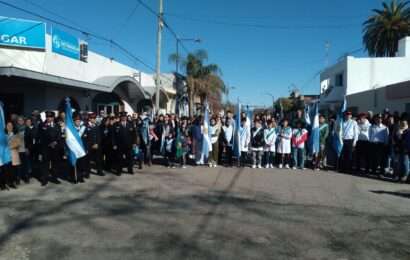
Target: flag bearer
{"type": "Point", "coordinates": [81, 170]}
{"type": "Point", "coordinates": [320, 157]}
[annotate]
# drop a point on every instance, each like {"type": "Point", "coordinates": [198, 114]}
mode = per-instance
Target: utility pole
{"type": "Point", "coordinates": [158, 65]}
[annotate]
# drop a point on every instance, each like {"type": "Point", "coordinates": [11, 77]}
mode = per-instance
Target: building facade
{"type": "Point", "coordinates": [38, 70]}
{"type": "Point", "coordinates": [369, 84]}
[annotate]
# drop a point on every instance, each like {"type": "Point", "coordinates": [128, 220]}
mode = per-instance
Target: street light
{"type": "Point", "coordinates": [179, 40]}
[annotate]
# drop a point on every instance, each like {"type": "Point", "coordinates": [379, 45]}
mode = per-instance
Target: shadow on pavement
{"type": "Point", "coordinates": [403, 194]}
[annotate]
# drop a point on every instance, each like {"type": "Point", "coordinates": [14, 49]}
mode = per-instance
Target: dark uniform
{"type": "Point", "coordinates": [124, 140]}
{"type": "Point", "coordinates": [81, 166]}
{"type": "Point", "coordinates": [32, 143]}
{"type": "Point", "coordinates": [52, 148]}
{"type": "Point", "coordinates": [107, 136]}
{"type": "Point", "coordinates": [92, 142]}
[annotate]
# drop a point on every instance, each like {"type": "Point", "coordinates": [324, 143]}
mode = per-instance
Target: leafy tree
{"type": "Point", "coordinates": [203, 80]}
{"type": "Point", "coordinates": [383, 30]}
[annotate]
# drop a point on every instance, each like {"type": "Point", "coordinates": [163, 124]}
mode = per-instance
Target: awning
{"type": "Point", "coordinates": [29, 74]}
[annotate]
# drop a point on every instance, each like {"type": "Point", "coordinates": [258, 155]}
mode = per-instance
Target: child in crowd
{"type": "Point", "coordinates": [214, 131]}
{"type": "Point", "coordinates": [170, 150]}
{"type": "Point", "coordinates": [270, 143]}
{"type": "Point", "coordinates": [284, 146]}
{"type": "Point", "coordinates": [299, 138]}
{"type": "Point", "coordinates": [257, 143]}
{"type": "Point", "coordinates": [244, 139]}
{"type": "Point", "coordinates": [228, 133]}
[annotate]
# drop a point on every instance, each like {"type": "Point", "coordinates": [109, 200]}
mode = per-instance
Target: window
{"type": "Point", "coordinates": [339, 80]}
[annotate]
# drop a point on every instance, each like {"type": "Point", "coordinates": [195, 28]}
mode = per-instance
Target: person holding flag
{"type": "Point", "coordinates": [206, 143]}
{"type": "Point", "coordinates": [5, 155]}
{"type": "Point", "coordinates": [80, 166]}
{"type": "Point", "coordinates": [73, 132]}
{"type": "Point", "coordinates": [319, 159]}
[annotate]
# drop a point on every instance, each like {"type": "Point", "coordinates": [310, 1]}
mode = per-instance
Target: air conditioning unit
{"type": "Point", "coordinates": [84, 52]}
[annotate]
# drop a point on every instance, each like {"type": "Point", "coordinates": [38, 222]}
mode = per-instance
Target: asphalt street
{"type": "Point", "coordinates": [202, 213]}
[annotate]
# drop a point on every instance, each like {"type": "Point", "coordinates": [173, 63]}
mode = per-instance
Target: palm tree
{"type": "Point", "coordinates": [383, 30]}
{"type": "Point", "coordinates": [202, 80]}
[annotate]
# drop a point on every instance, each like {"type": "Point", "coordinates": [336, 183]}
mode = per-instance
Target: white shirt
{"type": "Point", "coordinates": [379, 134]}
{"type": "Point", "coordinates": [350, 130]}
{"type": "Point", "coordinates": [228, 132]}
{"type": "Point", "coordinates": [364, 130]}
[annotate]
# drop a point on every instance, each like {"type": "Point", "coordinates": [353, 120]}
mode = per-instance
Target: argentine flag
{"type": "Point", "coordinates": [73, 139]}
{"type": "Point", "coordinates": [5, 155]}
{"type": "Point", "coordinates": [338, 130]}
{"type": "Point", "coordinates": [206, 143]}
{"type": "Point", "coordinates": [236, 144]}
{"type": "Point", "coordinates": [315, 134]}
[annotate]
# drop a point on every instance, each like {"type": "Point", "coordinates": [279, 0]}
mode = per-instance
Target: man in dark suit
{"type": "Point", "coordinates": [93, 144]}
{"type": "Point", "coordinates": [124, 142]}
{"type": "Point", "coordinates": [52, 148]}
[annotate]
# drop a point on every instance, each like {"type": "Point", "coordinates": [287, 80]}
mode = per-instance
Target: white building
{"type": "Point", "coordinates": [41, 76]}
{"type": "Point", "coordinates": [369, 83]}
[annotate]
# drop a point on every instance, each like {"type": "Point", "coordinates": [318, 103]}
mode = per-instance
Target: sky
{"type": "Point", "coordinates": [263, 47]}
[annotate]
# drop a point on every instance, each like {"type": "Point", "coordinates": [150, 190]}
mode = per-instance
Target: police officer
{"type": "Point", "coordinates": [107, 136]}
{"type": "Point", "coordinates": [81, 164]}
{"type": "Point", "coordinates": [93, 144]}
{"type": "Point", "coordinates": [124, 142]}
{"type": "Point", "coordinates": [52, 148]}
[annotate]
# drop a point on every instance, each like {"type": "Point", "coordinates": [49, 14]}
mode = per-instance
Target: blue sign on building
{"type": "Point", "coordinates": [65, 44]}
{"type": "Point", "coordinates": [22, 33]}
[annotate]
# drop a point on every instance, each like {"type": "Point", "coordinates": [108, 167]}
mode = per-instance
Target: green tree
{"type": "Point", "coordinates": [203, 80]}
{"type": "Point", "coordinates": [383, 30]}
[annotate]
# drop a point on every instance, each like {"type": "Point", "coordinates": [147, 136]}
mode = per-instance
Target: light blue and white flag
{"type": "Point", "coordinates": [5, 155]}
{"type": "Point", "coordinates": [307, 115]}
{"type": "Point", "coordinates": [73, 139]}
{"type": "Point", "coordinates": [338, 129]}
{"type": "Point", "coordinates": [206, 143]}
{"type": "Point", "coordinates": [236, 143]}
{"type": "Point", "coordinates": [315, 133]}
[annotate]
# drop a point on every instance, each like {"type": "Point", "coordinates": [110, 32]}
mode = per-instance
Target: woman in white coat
{"type": "Point", "coordinates": [270, 143]}
{"type": "Point", "coordinates": [284, 145]}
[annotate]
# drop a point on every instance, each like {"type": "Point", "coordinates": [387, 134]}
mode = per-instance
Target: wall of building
{"type": "Point", "coordinates": [371, 73]}
{"type": "Point", "coordinates": [365, 74]}
{"type": "Point", "coordinates": [376, 101]}
{"type": "Point", "coordinates": [51, 63]}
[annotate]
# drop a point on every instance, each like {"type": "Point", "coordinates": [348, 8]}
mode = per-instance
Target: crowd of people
{"type": "Point", "coordinates": [377, 145]}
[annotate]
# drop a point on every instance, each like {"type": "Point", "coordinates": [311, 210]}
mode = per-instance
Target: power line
{"type": "Point", "coordinates": [263, 26]}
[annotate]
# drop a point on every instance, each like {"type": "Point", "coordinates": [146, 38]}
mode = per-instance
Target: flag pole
{"type": "Point", "coordinates": [75, 173]}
